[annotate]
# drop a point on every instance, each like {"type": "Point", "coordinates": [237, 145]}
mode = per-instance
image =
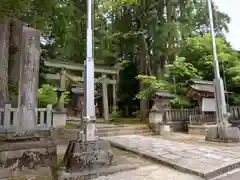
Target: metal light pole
{"type": "Point", "coordinates": [218, 82]}
{"type": "Point", "coordinates": [89, 106]}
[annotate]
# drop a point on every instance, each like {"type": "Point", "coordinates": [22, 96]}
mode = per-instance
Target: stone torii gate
{"type": "Point", "coordinates": [103, 80]}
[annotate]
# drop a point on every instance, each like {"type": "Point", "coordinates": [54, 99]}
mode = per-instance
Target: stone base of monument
{"type": "Point", "coordinates": [22, 156]}
{"type": "Point", "coordinates": [223, 134]}
{"type": "Point", "coordinates": [91, 159]}
{"type": "Point", "coordinates": [199, 129]}
{"type": "Point", "coordinates": [160, 128]}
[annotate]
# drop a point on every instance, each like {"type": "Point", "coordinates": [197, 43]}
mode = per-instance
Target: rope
{"type": "Point", "coordinates": [72, 79]}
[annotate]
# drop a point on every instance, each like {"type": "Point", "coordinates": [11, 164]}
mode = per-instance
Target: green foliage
{"type": "Point", "coordinates": [182, 70]}
{"type": "Point", "coordinates": [180, 101]}
{"type": "Point", "coordinates": [136, 114]}
{"type": "Point", "coordinates": [151, 85]}
{"type": "Point", "coordinates": [138, 37]}
{"type": "Point", "coordinates": [115, 114]}
{"type": "Point", "coordinates": [13, 8]}
{"type": "Point", "coordinates": [198, 52]}
{"type": "Point", "coordinates": [236, 99]}
{"type": "Point", "coordinates": [47, 95]}
{"type": "Point", "coordinates": [12, 88]}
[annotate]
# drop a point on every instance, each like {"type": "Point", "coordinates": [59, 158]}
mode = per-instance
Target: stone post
{"type": "Point", "coordinates": [62, 87]}
{"type": "Point", "coordinates": [114, 95]}
{"type": "Point", "coordinates": [105, 98]}
{"type": "Point", "coordinates": [28, 84]}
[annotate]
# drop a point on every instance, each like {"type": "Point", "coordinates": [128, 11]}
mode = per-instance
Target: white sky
{"type": "Point", "coordinates": [232, 8]}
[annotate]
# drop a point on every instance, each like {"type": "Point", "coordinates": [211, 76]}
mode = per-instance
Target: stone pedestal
{"type": "Point", "coordinates": [155, 118]}
{"type": "Point", "coordinates": [199, 129]}
{"type": "Point", "coordinates": [223, 134]}
{"type": "Point", "coordinates": [28, 158]}
{"type": "Point", "coordinates": [165, 129]}
{"type": "Point", "coordinates": [88, 156]}
{"type": "Point", "coordinates": [59, 118]}
{"type": "Point", "coordinates": [157, 123]}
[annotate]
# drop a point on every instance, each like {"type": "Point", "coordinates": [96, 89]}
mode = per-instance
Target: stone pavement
{"type": "Point", "coordinates": [205, 162]}
{"type": "Point", "coordinates": [151, 172]}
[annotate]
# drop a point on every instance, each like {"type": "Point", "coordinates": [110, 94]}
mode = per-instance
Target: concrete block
{"type": "Point", "coordinates": [59, 119]}
{"type": "Point", "coordinates": [212, 133]}
{"type": "Point", "coordinates": [165, 129]}
{"type": "Point", "coordinates": [222, 133]}
{"type": "Point", "coordinates": [229, 134]}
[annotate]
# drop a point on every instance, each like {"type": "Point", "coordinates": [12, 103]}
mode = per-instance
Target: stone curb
{"type": "Point", "coordinates": [206, 175]}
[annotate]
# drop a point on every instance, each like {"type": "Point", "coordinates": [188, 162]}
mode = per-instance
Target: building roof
{"type": "Point", "coordinates": [203, 86]}
{"type": "Point", "coordinates": [164, 95]}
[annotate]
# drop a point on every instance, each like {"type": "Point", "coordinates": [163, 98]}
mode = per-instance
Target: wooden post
{"type": "Point", "coordinates": [62, 86]}
{"type": "Point", "coordinates": [105, 98]}
{"type": "Point", "coordinates": [7, 115]}
{"type": "Point", "coordinates": [29, 80]}
{"type": "Point", "coordinates": [114, 95]}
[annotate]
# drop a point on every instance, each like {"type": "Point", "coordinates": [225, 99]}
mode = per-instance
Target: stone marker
{"type": "Point", "coordinates": [28, 84]}
{"type": "Point", "coordinates": [24, 152]}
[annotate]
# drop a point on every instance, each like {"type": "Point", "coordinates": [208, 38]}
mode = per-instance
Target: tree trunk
{"type": "Point", "coordinates": [143, 68]}
{"type": "Point", "coordinates": [16, 28]}
{"type": "Point", "coordinates": [4, 46]}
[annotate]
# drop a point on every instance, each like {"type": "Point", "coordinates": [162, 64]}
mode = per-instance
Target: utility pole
{"type": "Point", "coordinates": [223, 131]}
{"type": "Point", "coordinates": [218, 82]}
{"type": "Point", "coordinates": [97, 152]}
{"type": "Point", "coordinates": [89, 105]}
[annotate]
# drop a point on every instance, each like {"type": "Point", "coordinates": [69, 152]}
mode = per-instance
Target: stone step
{"type": "Point", "coordinates": [114, 129]}
{"type": "Point", "coordinates": [71, 134]}
{"type": "Point", "coordinates": [124, 132]}
{"type": "Point", "coordinates": [110, 135]}
{"type": "Point", "coordinates": [119, 125]}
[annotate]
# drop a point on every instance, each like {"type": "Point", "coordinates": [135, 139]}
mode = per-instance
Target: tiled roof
{"type": "Point", "coordinates": [164, 94]}
{"type": "Point", "coordinates": [205, 86]}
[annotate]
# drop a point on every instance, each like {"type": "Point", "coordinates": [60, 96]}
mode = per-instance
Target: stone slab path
{"type": "Point", "coordinates": [206, 162]}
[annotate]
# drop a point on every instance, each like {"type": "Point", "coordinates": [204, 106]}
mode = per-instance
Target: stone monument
{"type": "Point", "coordinates": [24, 151]}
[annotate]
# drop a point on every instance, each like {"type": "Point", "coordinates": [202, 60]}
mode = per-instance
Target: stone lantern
{"type": "Point", "coordinates": [156, 114]}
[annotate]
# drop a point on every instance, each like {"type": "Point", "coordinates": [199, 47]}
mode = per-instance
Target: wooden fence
{"type": "Point", "coordinates": [178, 114]}
{"type": "Point", "coordinates": [235, 111]}
{"type": "Point", "coordinates": [9, 118]}
{"type": "Point", "coordinates": [206, 118]}
{"type": "Point", "coordinates": [194, 116]}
